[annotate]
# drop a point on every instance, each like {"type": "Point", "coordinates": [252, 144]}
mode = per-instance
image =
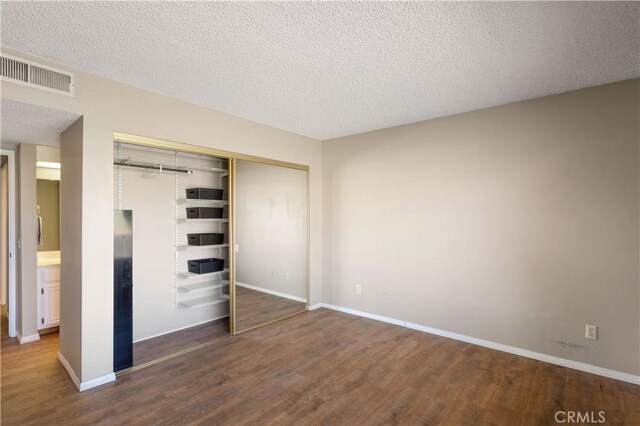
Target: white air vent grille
{"type": "Point", "coordinates": [13, 69]}
{"type": "Point", "coordinates": [31, 74]}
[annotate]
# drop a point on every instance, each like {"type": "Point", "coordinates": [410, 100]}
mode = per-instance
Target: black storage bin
{"type": "Point", "coordinates": [204, 213]}
{"type": "Point", "coordinates": [205, 266]}
{"type": "Point", "coordinates": [208, 239]}
{"type": "Point", "coordinates": [204, 194]}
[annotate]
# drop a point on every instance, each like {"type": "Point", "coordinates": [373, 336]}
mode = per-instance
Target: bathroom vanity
{"type": "Point", "coordinates": [48, 289]}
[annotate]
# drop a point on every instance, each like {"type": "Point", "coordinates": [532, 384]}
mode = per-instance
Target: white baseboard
{"type": "Point", "coordinates": [364, 314]}
{"type": "Point", "coordinates": [316, 306]}
{"type": "Point", "coordinates": [70, 371]}
{"type": "Point", "coordinates": [27, 339]}
{"type": "Point", "coordinates": [575, 365]}
{"type": "Point", "coordinates": [178, 329]}
{"type": "Point", "coordinates": [89, 384]}
{"type": "Point", "coordinates": [618, 375]}
{"type": "Point", "coordinates": [98, 381]}
{"type": "Point", "coordinates": [272, 292]}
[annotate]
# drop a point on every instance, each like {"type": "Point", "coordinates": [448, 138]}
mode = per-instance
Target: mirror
{"type": "Point", "coordinates": [271, 222]}
{"type": "Point", "coordinates": [48, 202]}
{"type": "Point", "coordinates": [48, 215]}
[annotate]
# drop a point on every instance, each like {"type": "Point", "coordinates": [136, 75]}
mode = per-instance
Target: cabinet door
{"type": "Point", "coordinates": [48, 296]}
{"type": "Point", "coordinates": [40, 298]}
{"type": "Point", "coordinates": [51, 302]}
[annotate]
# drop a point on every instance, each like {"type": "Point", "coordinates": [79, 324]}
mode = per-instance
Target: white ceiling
{"type": "Point", "coordinates": [20, 122]}
{"type": "Point", "coordinates": [328, 69]}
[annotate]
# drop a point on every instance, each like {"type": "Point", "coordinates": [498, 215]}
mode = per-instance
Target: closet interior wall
{"type": "Point", "coordinates": [166, 297]}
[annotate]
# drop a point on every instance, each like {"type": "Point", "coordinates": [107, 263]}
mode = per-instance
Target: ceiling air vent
{"type": "Point", "coordinates": [36, 75]}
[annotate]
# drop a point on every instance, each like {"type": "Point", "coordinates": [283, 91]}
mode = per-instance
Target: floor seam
{"type": "Point", "coordinates": [526, 408]}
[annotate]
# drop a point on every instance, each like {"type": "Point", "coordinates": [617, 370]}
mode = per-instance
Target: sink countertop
{"type": "Point", "coordinates": [48, 258]}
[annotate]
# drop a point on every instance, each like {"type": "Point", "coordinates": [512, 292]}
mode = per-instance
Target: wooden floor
{"type": "Point", "coordinates": [320, 367]}
{"type": "Point", "coordinates": [254, 308]}
{"type": "Point", "coordinates": [158, 347]}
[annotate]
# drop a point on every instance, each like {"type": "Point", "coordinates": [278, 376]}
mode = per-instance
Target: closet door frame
{"type": "Point", "coordinates": [232, 157]}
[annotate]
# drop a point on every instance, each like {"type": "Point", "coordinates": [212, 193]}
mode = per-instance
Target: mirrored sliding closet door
{"type": "Point", "coordinates": [271, 259]}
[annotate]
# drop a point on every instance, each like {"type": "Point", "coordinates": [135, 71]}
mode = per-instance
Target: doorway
{"type": "Point", "coordinates": [30, 133]}
{"type": "Point", "coordinates": [48, 170]}
{"type": "Point", "coordinates": [4, 226]}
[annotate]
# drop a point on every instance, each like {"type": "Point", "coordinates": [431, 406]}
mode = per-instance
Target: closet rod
{"type": "Point", "coordinates": [140, 166]}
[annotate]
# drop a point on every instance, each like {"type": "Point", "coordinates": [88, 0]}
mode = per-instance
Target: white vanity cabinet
{"type": "Point", "coordinates": [48, 296]}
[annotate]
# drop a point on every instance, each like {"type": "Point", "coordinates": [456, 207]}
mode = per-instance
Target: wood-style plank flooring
{"type": "Point", "coordinates": [320, 367]}
{"type": "Point", "coordinates": [255, 308]}
{"type": "Point", "coordinates": [157, 347]}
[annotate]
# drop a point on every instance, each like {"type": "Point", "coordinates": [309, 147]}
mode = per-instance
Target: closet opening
{"type": "Point", "coordinates": [171, 252]}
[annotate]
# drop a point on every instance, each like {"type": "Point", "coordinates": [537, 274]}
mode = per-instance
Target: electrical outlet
{"type": "Point", "coordinates": [385, 293]}
{"type": "Point", "coordinates": [591, 332]}
{"type": "Point", "coordinates": [358, 289]}
{"type": "Point", "coordinates": [286, 276]}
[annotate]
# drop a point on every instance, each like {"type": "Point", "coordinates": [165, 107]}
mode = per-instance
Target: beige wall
{"type": "Point", "coordinates": [27, 253]}
{"type": "Point", "coordinates": [517, 224]}
{"type": "Point", "coordinates": [71, 245]}
{"type": "Point", "coordinates": [108, 106]}
{"type": "Point", "coordinates": [48, 153]}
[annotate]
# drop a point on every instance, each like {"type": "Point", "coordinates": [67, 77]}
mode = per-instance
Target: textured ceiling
{"type": "Point", "coordinates": [328, 69]}
{"type": "Point", "coordinates": [20, 122]}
